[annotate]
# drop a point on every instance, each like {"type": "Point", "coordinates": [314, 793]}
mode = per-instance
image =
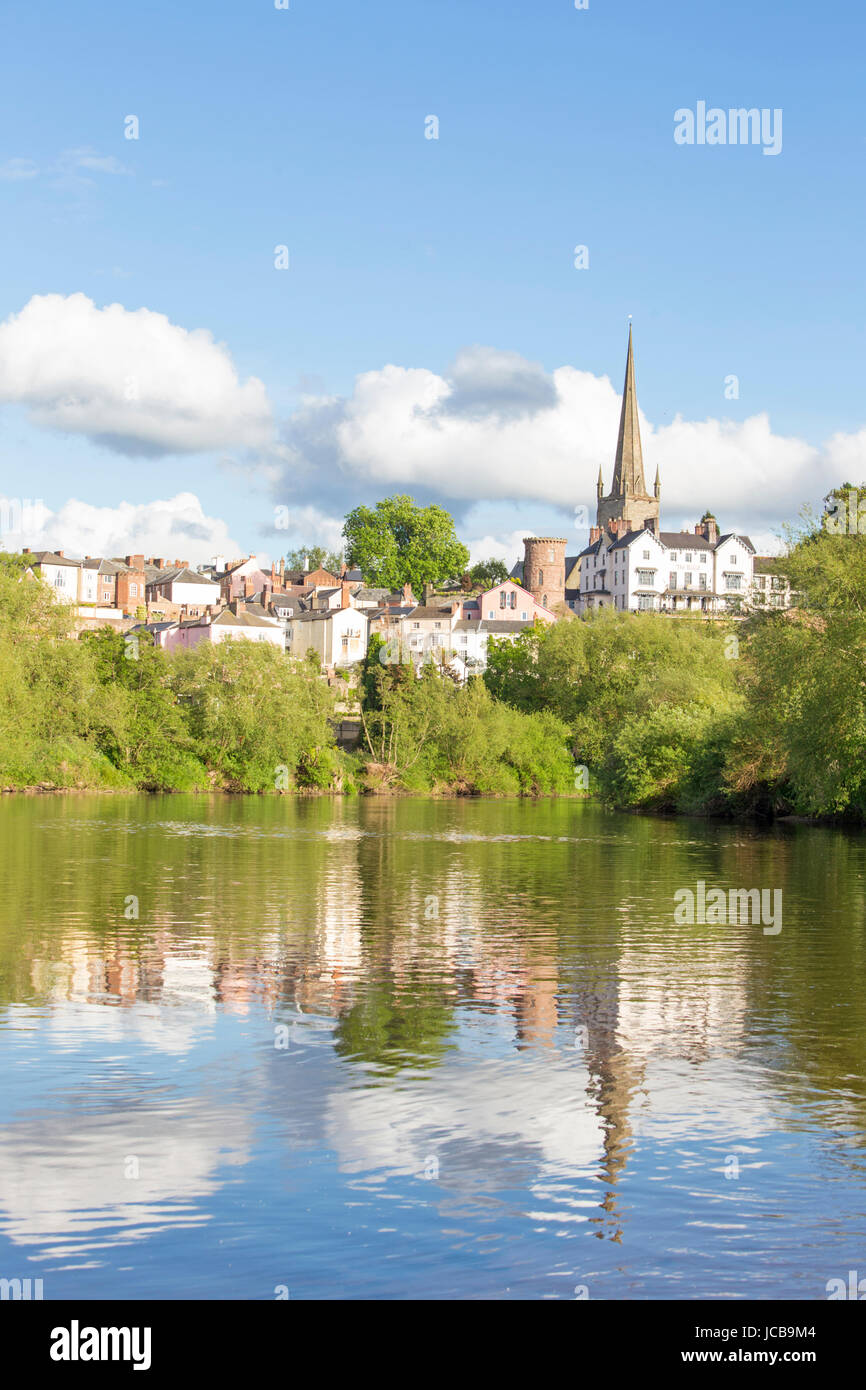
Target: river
{"type": "Point", "coordinates": [275, 1048]}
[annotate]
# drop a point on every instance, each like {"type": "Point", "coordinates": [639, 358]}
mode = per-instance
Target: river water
{"type": "Point", "coordinates": [258, 1048]}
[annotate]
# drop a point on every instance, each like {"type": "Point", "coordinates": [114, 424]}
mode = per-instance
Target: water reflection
{"type": "Point", "coordinates": [227, 1023]}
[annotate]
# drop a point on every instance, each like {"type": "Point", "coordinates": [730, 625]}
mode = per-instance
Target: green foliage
{"type": "Point", "coordinates": [428, 734]}
{"type": "Point", "coordinates": [397, 542]}
{"type": "Point", "coordinates": [251, 712]}
{"type": "Point", "coordinates": [488, 572]}
{"type": "Point", "coordinates": [313, 557]}
{"type": "Point", "coordinates": [640, 694]}
{"type": "Point", "coordinates": [116, 711]}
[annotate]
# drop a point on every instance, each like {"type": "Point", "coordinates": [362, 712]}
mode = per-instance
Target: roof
{"type": "Point", "coordinates": [630, 537]}
{"type": "Point", "coordinates": [499, 627]}
{"type": "Point", "coordinates": [229, 619]}
{"type": "Point", "coordinates": [517, 571]}
{"type": "Point", "coordinates": [429, 611]}
{"type": "Point", "coordinates": [766, 564]}
{"type": "Point", "coordinates": [293, 602]}
{"type": "Point", "coordinates": [732, 536]}
{"type": "Point", "coordinates": [50, 557]}
{"type": "Point", "coordinates": [571, 594]}
{"type": "Point", "coordinates": [468, 625]}
{"type": "Point", "coordinates": [591, 549]}
{"type": "Point", "coordinates": [180, 576]}
{"type": "Point", "coordinates": [372, 595]}
{"type": "Point", "coordinates": [325, 615]}
{"type": "Point", "coordinates": [684, 540]}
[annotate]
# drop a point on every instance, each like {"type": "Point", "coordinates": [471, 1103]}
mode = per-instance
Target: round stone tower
{"type": "Point", "coordinates": [544, 569]}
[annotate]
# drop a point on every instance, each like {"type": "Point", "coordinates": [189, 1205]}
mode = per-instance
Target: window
{"type": "Point", "coordinates": [702, 581]}
{"type": "Point", "coordinates": [645, 602]}
{"type": "Point", "coordinates": [437, 626]}
{"type": "Point", "coordinates": [645, 576]}
{"type": "Point", "coordinates": [540, 578]}
{"type": "Point", "coordinates": [688, 557]}
{"type": "Point", "coordinates": [503, 598]}
{"type": "Point", "coordinates": [646, 554]}
{"type": "Point", "coordinates": [523, 617]}
{"type": "Point", "coordinates": [733, 581]}
{"type": "Point", "coordinates": [416, 624]}
{"type": "Point", "coordinates": [513, 598]}
{"type": "Point", "coordinates": [733, 559]}
{"type": "Point", "coordinates": [673, 580]}
{"type": "Point", "coordinates": [490, 614]}
{"type": "Point", "coordinates": [133, 590]}
{"type": "Point", "coordinates": [58, 579]}
{"type": "Point", "coordinates": [703, 557]}
{"type": "Point", "coordinates": [688, 579]}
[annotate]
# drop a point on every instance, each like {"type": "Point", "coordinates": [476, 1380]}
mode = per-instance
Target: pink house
{"type": "Point", "coordinates": [508, 602]}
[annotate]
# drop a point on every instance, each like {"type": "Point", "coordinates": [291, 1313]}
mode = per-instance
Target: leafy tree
{"type": "Point", "coordinates": [397, 542]}
{"type": "Point", "coordinates": [488, 572]}
{"type": "Point", "coordinates": [313, 557]}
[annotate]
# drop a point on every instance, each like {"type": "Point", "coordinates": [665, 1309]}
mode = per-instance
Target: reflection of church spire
{"type": "Point", "coordinates": [614, 1078]}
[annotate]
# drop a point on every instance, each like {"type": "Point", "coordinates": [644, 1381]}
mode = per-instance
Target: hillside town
{"type": "Point", "coordinates": [630, 564]}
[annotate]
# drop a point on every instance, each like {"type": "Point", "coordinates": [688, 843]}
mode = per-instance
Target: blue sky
{"type": "Point", "coordinates": [305, 127]}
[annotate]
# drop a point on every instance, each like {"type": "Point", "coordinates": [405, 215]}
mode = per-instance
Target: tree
{"type": "Point", "coordinates": [488, 572]}
{"type": "Point", "coordinates": [313, 557]}
{"type": "Point", "coordinates": [397, 542]}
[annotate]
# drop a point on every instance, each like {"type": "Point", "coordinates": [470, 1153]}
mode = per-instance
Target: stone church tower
{"type": "Point", "coordinates": [628, 500]}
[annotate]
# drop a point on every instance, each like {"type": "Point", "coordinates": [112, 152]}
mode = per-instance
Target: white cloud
{"type": "Point", "coordinates": [15, 169]}
{"type": "Point", "coordinates": [176, 528]}
{"type": "Point", "coordinates": [129, 379]}
{"type": "Point", "coordinates": [497, 426]}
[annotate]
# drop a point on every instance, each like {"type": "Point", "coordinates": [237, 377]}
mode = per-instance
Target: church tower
{"type": "Point", "coordinates": [628, 499]}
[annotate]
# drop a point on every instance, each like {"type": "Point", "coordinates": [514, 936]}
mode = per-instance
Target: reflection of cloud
{"type": "Point", "coordinates": [487, 1112]}
{"type": "Point", "coordinates": [63, 1180]}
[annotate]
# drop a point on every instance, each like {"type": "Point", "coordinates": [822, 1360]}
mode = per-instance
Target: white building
{"type": "Point", "coordinates": [338, 636]}
{"type": "Point", "coordinates": [194, 592]}
{"type": "Point", "coordinates": [669, 572]}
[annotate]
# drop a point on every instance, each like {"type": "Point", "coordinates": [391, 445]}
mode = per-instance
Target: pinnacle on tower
{"type": "Point", "coordinates": [600, 484]}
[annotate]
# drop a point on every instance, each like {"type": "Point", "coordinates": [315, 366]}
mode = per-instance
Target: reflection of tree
{"type": "Point", "coordinates": [394, 1030]}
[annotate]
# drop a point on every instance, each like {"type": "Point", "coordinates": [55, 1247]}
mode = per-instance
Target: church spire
{"type": "Point", "coordinates": [628, 478]}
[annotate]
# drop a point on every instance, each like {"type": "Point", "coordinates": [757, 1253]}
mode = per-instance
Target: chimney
{"type": "Point", "coordinates": [427, 593]}
{"type": "Point", "coordinates": [594, 534]}
{"type": "Point", "coordinates": [249, 586]}
{"type": "Point", "coordinates": [344, 569]}
{"type": "Point", "coordinates": [408, 596]}
{"type": "Point", "coordinates": [25, 550]}
{"type": "Point", "coordinates": [345, 596]}
{"type": "Point", "coordinates": [59, 554]}
{"type": "Point", "coordinates": [239, 606]}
